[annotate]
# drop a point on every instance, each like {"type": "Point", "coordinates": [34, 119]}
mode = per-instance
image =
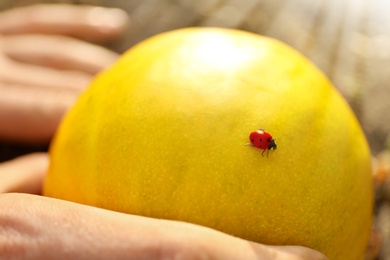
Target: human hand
{"type": "Point", "coordinates": [44, 64]}
{"type": "Point", "coordinates": [43, 69]}
{"type": "Point", "coordinates": [36, 227]}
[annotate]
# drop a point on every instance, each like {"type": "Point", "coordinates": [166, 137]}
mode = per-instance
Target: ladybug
{"type": "Point", "coordinates": [262, 140]}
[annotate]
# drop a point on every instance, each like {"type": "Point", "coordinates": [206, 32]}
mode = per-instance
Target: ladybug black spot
{"type": "Point", "coordinates": [252, 140]}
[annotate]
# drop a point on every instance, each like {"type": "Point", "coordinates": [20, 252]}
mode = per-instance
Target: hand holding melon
{"type": "Point", "coordinates": [162, 134]}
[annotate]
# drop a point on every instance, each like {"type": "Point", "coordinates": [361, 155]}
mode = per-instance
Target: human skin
{"type": "Point", "coordinates": [45, 64]}
{"type": "Point", "coordinates": [37, 227]}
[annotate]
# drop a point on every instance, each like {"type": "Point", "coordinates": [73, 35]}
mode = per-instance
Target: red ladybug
{"type": "Point", "coordinates": [262, 140]}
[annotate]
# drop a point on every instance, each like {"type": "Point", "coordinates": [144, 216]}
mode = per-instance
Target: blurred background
{"type": "Point", "coordinates": [349, 40]}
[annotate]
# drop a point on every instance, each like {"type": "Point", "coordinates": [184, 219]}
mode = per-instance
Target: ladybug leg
{"type": "Point", "coordinates": [264, 151]}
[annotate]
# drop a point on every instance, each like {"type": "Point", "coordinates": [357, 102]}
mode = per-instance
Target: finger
{"type": "Point", "coordinates": [17, 73]}
{"type": "Point", "coordinates": [72, 231]}
{"type": "Point", "coordinates": [32, 114]}
{"type": "Point", "coordinates": [58, 52]}
{"type": "Point", "coordinates": [95, 23]}
{"type": "Point", "coordinates": [24, 174]}
{"type": "Point", "coordinates": [296, 253]}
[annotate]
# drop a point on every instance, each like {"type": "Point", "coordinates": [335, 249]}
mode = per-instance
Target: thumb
{"type": "Point", "coordinates": [286, 252]}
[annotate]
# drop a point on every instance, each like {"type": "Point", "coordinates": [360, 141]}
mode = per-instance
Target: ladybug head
{"type": "Point", "coordinates": [272, 145]}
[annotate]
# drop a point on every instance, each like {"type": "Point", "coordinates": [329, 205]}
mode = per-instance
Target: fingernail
{"type": "Point", "coordinates": [107, 18]}
{"type": "Point", "coordinates": [297, 252]}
